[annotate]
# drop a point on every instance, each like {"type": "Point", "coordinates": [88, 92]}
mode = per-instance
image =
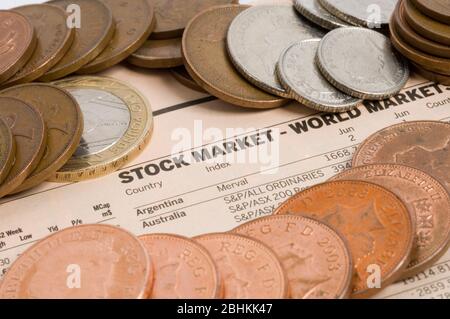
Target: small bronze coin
{"type": "Point", "coordinates": [375, 222]}
{"type": "Point", "coordinates": [158, 54]}
{"type": "Point", "coordinates": [427, 201]}
{"type": "Point", "coordinates": [30, 134]}
{"type": "Point", "coordinates": [54, 39]}
{"type": "Point", "coordinates": [17, 43]}
{"type": "Point", "coordinates": [7, 150]}
{"type": "Point", "coordinates": [436, 9]}
{"type": "Point", "coordinates": [93, 35]}
{"type": "Point", "coordinates": [430, 75]}
{"type": "Point", "coordinates": [206, 59]}
{"type": "Point", "coordinates": [134, 22]}
{"type": "Point", "coordinates": [64, 122]}
{"type": "Point", "coordinates": [181, 74]}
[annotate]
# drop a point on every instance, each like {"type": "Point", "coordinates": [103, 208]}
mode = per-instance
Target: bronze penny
{"type": "Point", "coordinates": [82, 262]}
{"type": "Point", "coordinates": [54, 39]}
{"type": "Point", "coordinates": [375, 222]}
{"type": "Point", "coordinates": [436, 9]}
{"type": "Point", "coordinates": [183, 268]}
{"type": "Point", "coordinates": [17, 43]}
{"type": "Point", "coordinates": [427, 201]}
{"type": "Point", "coordinates": [432, 76]}
{"type": "Point", "coordinates": [316, 259]}
{"type": "Point", "coordinates": [7, 150]}
{"type": "Point", "coordinates": [29, 131]}
{"type": "Point", "coordinates": [206, 59]}
{"type": "Point", "coordinates": [64, 122]}
{"type": "Point", "coordinates": [134, 22]}
{"type": "Point", "coordinates": [91, 38]}
{"type": "Point", "coordinates": [156, 54]}
{"type": "Point", "coordinates": [181, 75]}
{"type": "Point", "coordinates": [248, 268]}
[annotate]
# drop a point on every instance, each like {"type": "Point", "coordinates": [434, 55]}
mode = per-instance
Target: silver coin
{"type": "Point", "coordinates": [257, 37]}
{"type": "Point", "coordinates": [314, 12]}
{"type": "Point", "coordinates": [362, 63]}
{"type": "Point", "coordinates": [364, 13]}
{"type": "Point", "coordinates": [301, 77]}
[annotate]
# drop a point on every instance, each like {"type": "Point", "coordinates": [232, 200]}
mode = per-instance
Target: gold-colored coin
{"type": "Point", "coordinates": [95, 32]}
{"type": "Point", "coordinates": [134, 23]}
{"type": "Point", "coordinates": [7, 150]}
{"type": "Point", "coordinates": [118, 123]}
{"type": "Point", "coordinates": [54, 39]}
{"type": "Point", "coordinates": [158, 54]}
{"type": "Point", "coordinates": [64, 121]}
{"type": "Point", "coordinates": [29, 131]}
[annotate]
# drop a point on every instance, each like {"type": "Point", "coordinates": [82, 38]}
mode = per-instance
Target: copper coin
{"type": "Point", "coordinates": [64, 122]}
{"type": "Point", "coordinates": [30, 134]}
{"type": "Point", "coordinates": [88, 261]}
{"type": "Point", "coordinates": [376, 223]}
{"type": "Point", "coordinates": [181, 75]}
{"type": "Point", "coordinates": [436, 9]}
{"type": "Point", "coordinates": [430, 75]}
{"type": "Point", "coordinates": [17, 43]}
{"type": "Point", "coordinates": [172, 16]}
{"type": "Point", "coordinates": [206, 59]}
{"type": "Point", "coordinates": [134, 22]}
{"type": "Point", "coordinates": [158, 54]}
{"type": "Point", "coordinates": [7, 150]}
{"type": "Point", "coordinates": [183, 268]}
{"type": "Point", "coordinates": [315, 258]}
{"type": "Point", "coordinates": [54, 39]}
{"type": "Point", "coordinates": [427, 201]}
{"type": "Point", "coordinates": [91, 38]}
{"type": "Point", "coordinates": [248, 268]}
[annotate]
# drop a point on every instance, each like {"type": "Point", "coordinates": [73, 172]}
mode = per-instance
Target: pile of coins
{"type": "Point", "coordinates": [420, 30]}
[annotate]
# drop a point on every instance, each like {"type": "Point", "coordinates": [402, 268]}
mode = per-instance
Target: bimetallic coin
{"type": "Point", "coordinates": [436, 9]}
{"type": "Point", "coordinates": [118, 123]}
{"type": "Point", "coordinates": [362, 63]}
{"type": "Point", "coordinates": [30, 134]}
{"type": "Point", "coordinates": [316, 259]}
{"type": "Point", "coordinates": [301, 77]}
{"type": "Point", "coordinates": [64, 122]}
{"type": "Point", "coordinates": [206, 60]}
{"type": "Point", "coordinates": [427, 201]}
{"type": "Point", "coordinates": [90, 39]}
{"type": "Point", "coordinates": [314, 12]}
{"type": "Point", "coordinates": [157, 54]}
{"type": "Point", "coordinates": [7, 150]}
{"type": "Point", "coordinates": [430, 75]}
{"type": "Point", "coordinates": [112, 263]}
{"type": "Point", "coordinates": [134, 22]}
{"type": "Point", "coordinates": [54, 39]}
{"type": "Point", "coordinates": [183, 268]}
{"type": "Point", "coordinates": [375, 222]}
{"type": "Point", "coordinates": [17, 43]}
{"type": "Point", "coordinates": [181, 75]}
{"type": "Point", "coordinates": [258, 35]}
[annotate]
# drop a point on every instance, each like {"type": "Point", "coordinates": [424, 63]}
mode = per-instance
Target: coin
{"type": "Point", "coordinates": [377, 225]}
{"type": "Point", "coordinates": [181, 75]}
{"type": "Point", "coordinates": [316, 259]}
{"type": "Point", "coordinates": [183, 268]}
{"type": "Point", "coordinates": [426, 199]}
{"type": "Point", "coordinates": [432, 76]}
{"type": "Point", "coordinates": [7, 150]}
{"type": "Point", "coordinates": [436, 9]}
{"type": "Point", "coordinates": [118, 123]}
{"type": "Point", "coordinates": [248, 268]}
{"type": "Point", "coordinates": [30, 134]}
{"type": "Point", "coordinates": [91, 38]}
{"type": "Point", "coordinates": [82, 262]}
{"type": "Point", "coordinates": [362, 63]}
{"type": "Point", "coordinates": [155, 54]}
{"type": "Point", "coordinates": [302, 79]}
{"type": "Point", "coordinates": [314, 12]}
{"type": "Point", "coordinates": [258, 35]}
{"type": "Point", "coordinates": [64, 122]}
{"type": "Point", "coordinates": [364, 13]}
{"type": "Point", "coordinates": [54, 39]}
{"type": "Point", "coordinates": [134, 23]}
{"type": "Point", "coordinates": [207, 61]}
{"type": "Point", "coordinates": [17, 43]}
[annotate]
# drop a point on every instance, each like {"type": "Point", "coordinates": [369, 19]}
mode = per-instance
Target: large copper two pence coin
{"type": "Point", "coordinates": [316, 259]}
{"type": "Point", "coordinates": [7, 150]}
{"type": "Point", "coordinates": [158, 54]}
{"type": "Point", "coordinates": [436, 9]}
{"type": "Point", "coordinates": [92, 36]}
{"type": "Point", "coordinates": [426, 199]}
{"type": "Point", "coordinates": [29, 131]}
{"type": "Point", "coordinates": [375, 222]}
{"type": "Point", "coordinates": [248, 268]}
{"type": "Point", "coordinates": [17, 43]}
{"type": "Point", "coordinates": [83, 262]}
{"type": "Point", "coordinates": [54, 39]}
{"type": "Point", "coordinates": [183, 268]}
{"type": "Point", "coordinates": [64, 122]}
{"type": "Point", "coordinates": [206, 59]}
{"type": "Point", "coordinates": [134, 22]}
